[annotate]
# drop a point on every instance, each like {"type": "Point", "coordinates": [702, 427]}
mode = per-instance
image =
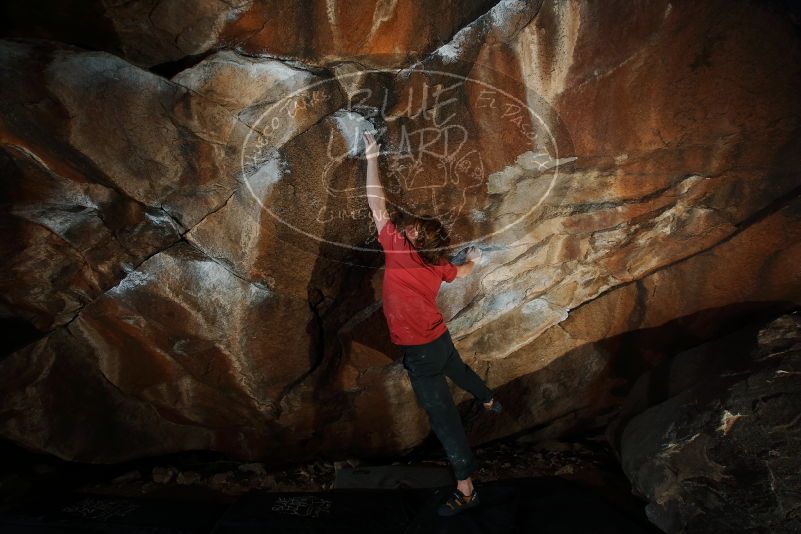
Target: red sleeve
{"type": "Point", "coordinates": [448, 271]}
{"type": "Point", "coordinates": [386, 236]}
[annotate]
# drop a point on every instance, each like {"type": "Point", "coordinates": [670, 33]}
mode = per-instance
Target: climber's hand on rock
{"type": "Point", "coordinates": [473, 254]}
{"type": "Point", "coordinates": [371, 148]}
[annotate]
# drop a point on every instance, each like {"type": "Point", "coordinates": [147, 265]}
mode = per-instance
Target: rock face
{"type": "Point", "coordinates": [107, 164]}
{"type": "Point", "coordinates": [193, 247]}
{"type": "Point", "coordinates": [720, 453]}
{"type": "Point", "coordinates": [152, 32]}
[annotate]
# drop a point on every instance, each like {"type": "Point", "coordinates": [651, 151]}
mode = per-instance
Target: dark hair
{"type": "Point", "coordinates": [431, 235]}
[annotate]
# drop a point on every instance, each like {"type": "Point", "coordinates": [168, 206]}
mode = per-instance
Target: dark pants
{"type": "Point", "coordinates": [427, 366]}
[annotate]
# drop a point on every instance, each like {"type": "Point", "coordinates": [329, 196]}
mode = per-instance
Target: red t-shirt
{"type": "Point", "coordinates": [410, 290]}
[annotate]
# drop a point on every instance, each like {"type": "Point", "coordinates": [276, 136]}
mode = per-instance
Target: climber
{"type": "Point", "coordinates": [412, 279]}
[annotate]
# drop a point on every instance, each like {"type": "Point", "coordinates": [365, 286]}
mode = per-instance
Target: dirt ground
{"type": "Point", "coordinates": [587, 461]}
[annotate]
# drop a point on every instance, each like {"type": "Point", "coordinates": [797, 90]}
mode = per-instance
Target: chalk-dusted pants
{"type": "Point", "coordinates": [428, 365]}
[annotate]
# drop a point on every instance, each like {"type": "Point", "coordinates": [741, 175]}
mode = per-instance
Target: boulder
{"type": "Point", "coordinates": [159, 32]}
{"type": "Point", "coordinates": [106, 164]}
{"type": "Point", "coordinates": [719, 454]}
{"type": "Point", "coordinates": [193, 244]}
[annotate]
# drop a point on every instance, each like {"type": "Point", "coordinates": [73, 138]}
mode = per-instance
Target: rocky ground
{"type": "Point", "coordinates": [588, 461]}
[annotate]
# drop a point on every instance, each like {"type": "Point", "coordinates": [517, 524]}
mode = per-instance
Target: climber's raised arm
{"type": "Point", "coordinates": [375, 192]}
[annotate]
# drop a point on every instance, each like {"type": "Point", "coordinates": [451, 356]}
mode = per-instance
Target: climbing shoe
{"type": "Point", "coordinates": [457, 502]}
{"type": "Point", "coordinates": [495, 407]}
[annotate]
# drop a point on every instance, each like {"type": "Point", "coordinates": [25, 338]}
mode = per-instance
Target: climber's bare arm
{"type": "Point", "coordinates": [467, 267]}
{"type": "Point", "coordinates": [375, 191]}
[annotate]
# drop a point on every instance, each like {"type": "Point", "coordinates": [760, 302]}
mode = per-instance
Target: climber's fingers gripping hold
{"type": "Point", "coordinates": [473, 253]}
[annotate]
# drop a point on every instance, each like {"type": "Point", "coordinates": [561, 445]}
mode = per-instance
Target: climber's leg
{"type": "Point", "coordinates": [433, 394]}
{"type": "Point", "coordinates": [462, 375]}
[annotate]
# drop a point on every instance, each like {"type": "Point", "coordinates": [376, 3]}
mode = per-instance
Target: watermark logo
{"type": "Point", "coordinates": [480, 152]}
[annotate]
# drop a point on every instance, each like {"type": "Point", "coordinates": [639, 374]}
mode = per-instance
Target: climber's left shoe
{"type": "Point", "coordinates": [457, 502]}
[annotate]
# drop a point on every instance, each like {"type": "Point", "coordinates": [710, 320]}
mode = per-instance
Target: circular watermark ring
{"type": "Point", "coordinates": [551, 165]}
